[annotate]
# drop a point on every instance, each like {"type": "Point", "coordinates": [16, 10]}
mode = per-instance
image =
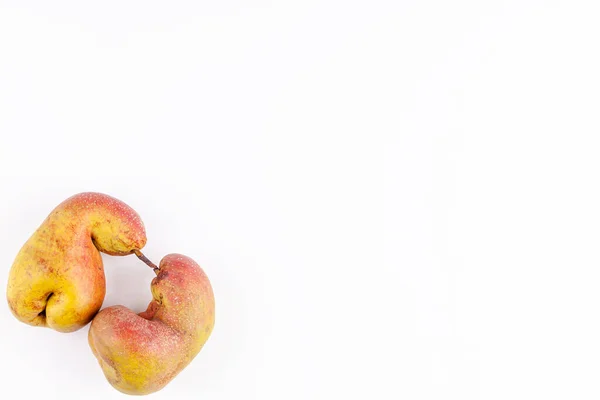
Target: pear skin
{"type": "Point", "coordinates": [57, 279]}
{"type": "Point", "coordinates": [140, 353]}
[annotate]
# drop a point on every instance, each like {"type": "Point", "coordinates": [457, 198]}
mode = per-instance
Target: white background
{"type": "Point", "coordinates": [393, 199]}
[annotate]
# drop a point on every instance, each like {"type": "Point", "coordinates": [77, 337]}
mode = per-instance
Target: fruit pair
{"type": "Point", "coordinates": [57, 280]}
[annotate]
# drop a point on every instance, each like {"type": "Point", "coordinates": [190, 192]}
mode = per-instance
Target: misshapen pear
{"type": "Point", "coordinates": [57, 279]}
{"type": "Point", "coordinates": [141, 353]}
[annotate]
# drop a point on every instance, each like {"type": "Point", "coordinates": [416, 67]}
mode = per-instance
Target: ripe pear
{"type": "Point", "coordinates": [57, 279]}
{"type": "Point", "coordinates": [141, 353]}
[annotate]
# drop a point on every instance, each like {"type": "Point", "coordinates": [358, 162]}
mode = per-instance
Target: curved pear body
{"type": "Point", "coordinates": [57, 279]}
{"type": "Point", "coordinates": [141, 353]}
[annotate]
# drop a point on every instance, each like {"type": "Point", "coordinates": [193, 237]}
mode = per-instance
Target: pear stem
{"type": "Point", "coordinates": [149, 263]}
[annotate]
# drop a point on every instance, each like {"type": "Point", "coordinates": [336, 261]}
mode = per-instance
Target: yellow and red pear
{"type": "Point", "coordinates": [141, 353]}
{"type": "Point", "coordinates": [57, 279]}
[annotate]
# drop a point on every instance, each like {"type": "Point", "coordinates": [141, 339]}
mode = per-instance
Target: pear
{"type": "Point", "coordinates": [57, 279]}
{"type": "Point", "coordinates": [141, 353]}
